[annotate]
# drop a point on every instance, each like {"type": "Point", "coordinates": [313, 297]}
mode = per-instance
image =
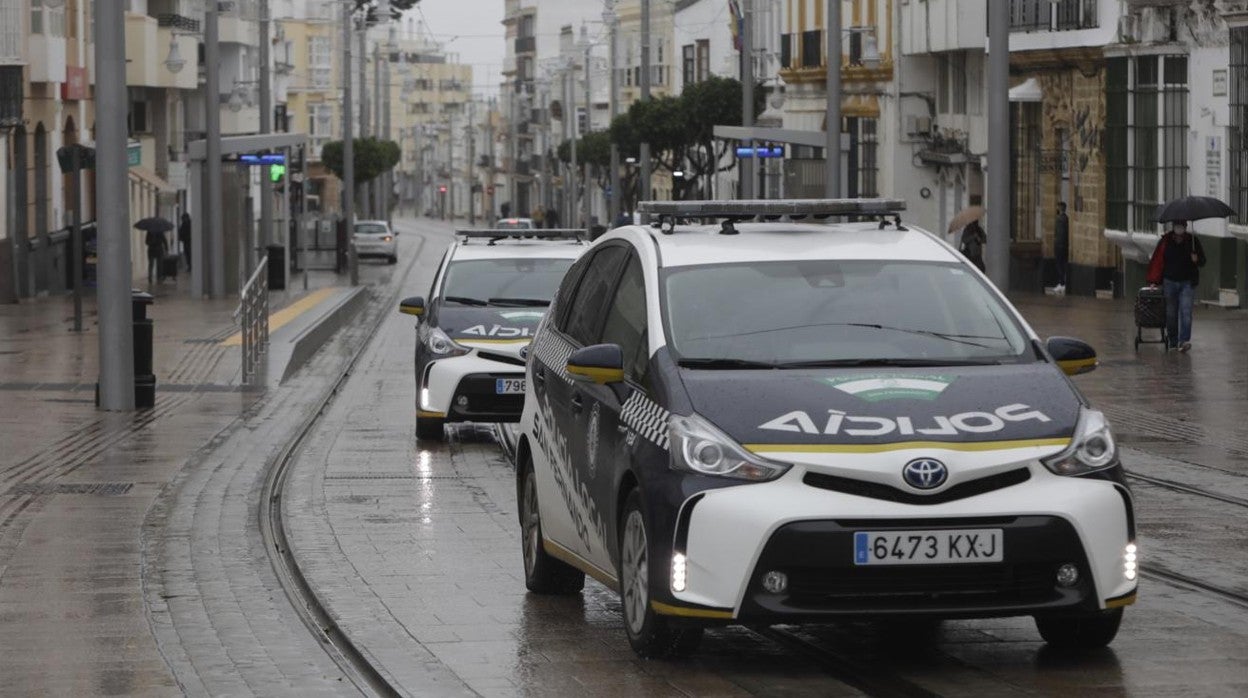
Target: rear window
{"type": "Point", "coordinates": [371, 228]}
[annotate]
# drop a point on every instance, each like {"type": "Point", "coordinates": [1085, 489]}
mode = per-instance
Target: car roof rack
{"type": "Point", "coordinates": [496, 234]}
{"type": "Point", "coordinates": [669, 212]}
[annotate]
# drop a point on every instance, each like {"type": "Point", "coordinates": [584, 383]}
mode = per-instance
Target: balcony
{"type": "Point", "coordinates": [12, 89]}
{"type": "Point", "coordinates": [147, 47]}
{"type": "Point", "coordinates": [526, 44]}
{"type": "Point", "coordinates": [943, 25]}
{"type": "Point", "coordinates": [1044, 15]}
{"type": "Point", "coordinates": [47, 58]}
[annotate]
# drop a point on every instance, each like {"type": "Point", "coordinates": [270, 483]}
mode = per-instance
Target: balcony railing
{"type": "Point", "coordinates": [1044, 15]}
{"type": "Point", "coordinates": [526, 44]}
{"type": "Point", "coordinates": [178, 22]}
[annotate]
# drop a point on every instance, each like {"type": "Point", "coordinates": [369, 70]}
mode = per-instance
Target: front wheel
{"type": "Point", "coordinates": [650, 634]}
{"type": "Point", "coordinates": [430, 428]}
{"type": "Point", "coordinates": [543, 574]}
{"type": "Point", "coordinates": [393, 259]}
{"type": "Point", "coordinates": [1083, 632]}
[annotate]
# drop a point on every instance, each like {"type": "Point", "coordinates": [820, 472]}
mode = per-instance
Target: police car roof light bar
{"type": "Point", "coordinates": [496, 234]}
{"type": "Point", "coordinates": [773, 208]}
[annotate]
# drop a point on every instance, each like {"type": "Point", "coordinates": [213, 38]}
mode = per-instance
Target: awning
{"type": "Point", "coordinates": [1028, 91]}
{"type": "Point", "coordinates": [150, 178]}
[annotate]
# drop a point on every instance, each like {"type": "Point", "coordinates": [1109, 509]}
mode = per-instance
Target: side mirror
{"type": "Point", "coordinates": [412, 306]}
{"type": "Point", "coordinates": [1073, 356]}
{"type": "Point", "coordinates": [600, 363]}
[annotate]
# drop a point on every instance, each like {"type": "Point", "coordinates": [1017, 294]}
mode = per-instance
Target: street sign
{"type": "Point", "coordinates": [134, 154]}
{"type": "Point", "coordinates": [762, 151]}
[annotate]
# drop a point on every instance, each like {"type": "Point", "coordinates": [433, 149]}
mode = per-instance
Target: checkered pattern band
{"type": "Point", "coordinates": [646, 417]}
{"type": "Point", "coordinates": [553, 351]}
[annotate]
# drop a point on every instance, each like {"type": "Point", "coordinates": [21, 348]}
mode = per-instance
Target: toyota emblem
{"type": "Point", "coordinates": [925, 473]}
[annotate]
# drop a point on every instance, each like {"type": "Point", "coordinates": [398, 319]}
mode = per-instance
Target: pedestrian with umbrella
{"type": "Point", "coordinates": [1177, 259]}
{"type": "Point", "coordinates": [974, 238]}
{"type": "Point", "coordinates": [157, 245]}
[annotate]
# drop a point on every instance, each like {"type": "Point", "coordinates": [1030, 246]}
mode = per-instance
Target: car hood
{"type": "Point", "coordinates": [1010, 403]}
{"type": "Point", "coordinates": [490, 326]}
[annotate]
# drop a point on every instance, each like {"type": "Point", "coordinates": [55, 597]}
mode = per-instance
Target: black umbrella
{"type": "Point", "coordinates": [155, 224]}
{"type": "Point", "coordinates": [1192, 208]}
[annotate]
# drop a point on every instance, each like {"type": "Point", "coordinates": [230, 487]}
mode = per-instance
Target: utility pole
{"type": "Point", "coordinates": [569, 91]}
{"type": "Point", "coordinates": [589, 126]}
{"type": "Point", "coordinates": [998, 261]}
{"type": "Point", "coordinates": [613, 201]}
{"type": "Point", "coordinates": [213, 237]}
{"type": "Point", "coordinates": [348, 136]}
{"type": "Point", "coordinates": [488, 200]}
{"type": "Point", "coordinates": [644, 194]}
{"type": "Point", "coordinates": [832, 144]}
{"type": "Point", "coordinates": [472, 165]}
{"type": "Point", "coordinates": [387, 182]}
{"type": "Point", "coordinates": [375, 184]}
{"type": "Point", "coordinates": [747, 93]}
{"type": "Point", "coordinates": [365, 113]}
{"type": "Point", "coordinates": [450, 166]}
{"type": "Point", "coordinates": [514, 151]}
{"type": "Point", "coordinates": [114, 274]}
{"type": "Point", "coordinates": [266, 126]}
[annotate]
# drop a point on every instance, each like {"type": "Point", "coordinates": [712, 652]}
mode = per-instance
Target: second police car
{"type": "Point", "coordinates": [490, 291]}
{"type": "Point", "coordinates": [785, 422]}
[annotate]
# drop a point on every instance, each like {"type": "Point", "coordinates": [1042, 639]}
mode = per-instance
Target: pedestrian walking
{"type": "Point", "coordinates": [1175, 266]}
{"type": "Point", "coordinates": [972, 245]}
{"type": "Point", "coordinates": [538, 216]}
{"type": "Point", "coordinates": [552, 218]}
{"type": "Point", "coordinates": [1061, 246]}
{"type": "Point", "coordinates": [184, 238]}
{"type": "Point", "coordinates": [157, 246]}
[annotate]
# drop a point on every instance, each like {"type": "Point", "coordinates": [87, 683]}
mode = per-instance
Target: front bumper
{"type": "Point", "coordinates": [735, 535]}
{"type": "Point", "coordinates": [463, 389]}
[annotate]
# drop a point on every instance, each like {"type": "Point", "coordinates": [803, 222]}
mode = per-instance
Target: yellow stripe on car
{"type": "Point", "coordinates": [687, 612]}
{"type": "Point", "coordinates": [1074, 367]}
{"type": "Point", "coordinates": [906, 445]}
{"type": "Point", "coordinates": [596, 374]}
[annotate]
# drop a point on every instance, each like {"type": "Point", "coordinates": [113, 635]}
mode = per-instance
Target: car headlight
{"type": "Point", "coordinates": [1092, 449]}
{"type": "Point", "coordinates": [697, 446]}
{"type": "Point", "coordinates": [439, 344]}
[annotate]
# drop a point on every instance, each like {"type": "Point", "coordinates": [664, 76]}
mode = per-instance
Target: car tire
{"type": "Point", "coordinates": [543, 573]}
{"type": "Point", "coordinates": [430, 429]}
{"type": "Point", "coordinates": [651, 635]}
{"type": "Point", "coordinates": [393, 259]}
{"type": "Point", "coordinates": [1082, 632]}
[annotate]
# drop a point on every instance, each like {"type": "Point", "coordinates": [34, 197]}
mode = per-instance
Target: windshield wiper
{"type": "Point", "coordinates": [842, 363]}
{"type": "Point", "coordinates": [521, 302]}
{"type": "Point", "coordinates": [464, 300]}
{"type": "Point", "coordinates": [959, 338]}
{"type": "Point", "coordinates": [720, 363]}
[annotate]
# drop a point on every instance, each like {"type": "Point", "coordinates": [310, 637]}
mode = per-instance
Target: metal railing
{"type": "Point", "coordinates": [253, 319]}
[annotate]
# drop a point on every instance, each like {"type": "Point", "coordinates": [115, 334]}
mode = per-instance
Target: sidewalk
{"type": "Point", "coordinates": [76, 483]}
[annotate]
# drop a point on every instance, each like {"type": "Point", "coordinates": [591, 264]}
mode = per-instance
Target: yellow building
{"type": "Point", "coordinates": [308, 63]}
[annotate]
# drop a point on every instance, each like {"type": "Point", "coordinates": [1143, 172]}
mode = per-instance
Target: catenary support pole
{"type": "Point", "coordinates": [574, 187]}
{"type": "Point", "coordinates": [213, 234]}
{"type": "Point", "coordinates": [644, 149]}
{"type": "Point", "coordinates": [365, 112]}
{"type": "Point", "coordinates": [589, 126]}
{"type": "Point", "coordinates": [116, 385]}
{"type": "Point", "coordinates": [832, 119]}
{"type": "Point", "coordinates": [348, 138]}
{"type": "Point", "coordinates": [747, 94]}
{"type": "Point", "coordinates": [75, 182]}
{"type": "Point", "coordinates": [613, 205]}
{"type": "Point", "coordinates": [998, 248]}
{"type": "Point", "coordinates": [267, 234]}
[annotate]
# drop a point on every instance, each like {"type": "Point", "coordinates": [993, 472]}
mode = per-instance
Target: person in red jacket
{"type": "Point", "coordinates": [1175, 266]}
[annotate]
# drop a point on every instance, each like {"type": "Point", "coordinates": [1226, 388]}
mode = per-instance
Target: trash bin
{"type": "Point", "coordinates": [277, 267]}
{"type": "Point", "coordinates": [144, 378]}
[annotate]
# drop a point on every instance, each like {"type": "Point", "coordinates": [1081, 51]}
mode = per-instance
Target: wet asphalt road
{"type": "Point", "coordinates": [414, 549]}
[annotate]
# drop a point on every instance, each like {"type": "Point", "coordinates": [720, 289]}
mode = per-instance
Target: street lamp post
{"type": "Point", "coordinates": [348, 142]}
{"type": "Point", "coordinates": [589, 116]}
{"type": "Point", "coordinates": [645, 96]}
{"type": "Point", "coordinates": [116, 386]}
{"type": "Point", "coordinates": [266, 126]}
{"type": "Point", "coordinates": [747, 93]}
{"type": "Point", "coordinates": [998, 261]}
{"type": "Point", "coordinates": [832, 127]}
{"type": "Point", "coordinates": [613, 201]}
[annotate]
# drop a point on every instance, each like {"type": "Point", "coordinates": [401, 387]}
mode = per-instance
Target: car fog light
{"type": "Point", "coordinates": [1067, 575]}
{"type": "Point", "coordinates": [679, 573]}
{"type": "Point", "coordinates": [462, 401]}
{"type": "Point", "coordinates": [775, 582]}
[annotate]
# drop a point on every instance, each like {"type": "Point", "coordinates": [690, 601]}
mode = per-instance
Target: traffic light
{"type": "Point", "coordinates": [442, 189]}
{"type": "Point", "coordinates": [277, 173]}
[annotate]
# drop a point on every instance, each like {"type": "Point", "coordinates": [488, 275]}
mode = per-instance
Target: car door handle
{"type": "Point", "coordinates": [578, 402]}
{"type": "Point", "coordinates": [539, 375]}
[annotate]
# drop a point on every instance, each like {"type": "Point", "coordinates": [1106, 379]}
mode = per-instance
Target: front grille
{"type": "Point", "coordinates": [501, 358]}
{"type": "Point", "coordinates": [875, 490]}
{"type": "Point", "coordinates": [906, 586]}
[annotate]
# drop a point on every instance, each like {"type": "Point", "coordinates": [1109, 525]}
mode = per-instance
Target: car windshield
{"type": "Point", "coordinates": [504, 282]}
{"type": "Point", "coordinates": [371, 229]}
{"type": "Point", "coordinates": [514, 224]}
{"type": "Point", "coordinates": [834, 312]}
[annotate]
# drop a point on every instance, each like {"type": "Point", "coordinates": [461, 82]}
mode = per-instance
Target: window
{"type": "Point", "coordinates": [812, 48]}
{"type": "Point", "coordinates": [1050, 15]}
{"type": "Point", "coordinates": [863, 163]}
{"type": "Point", "coordinates": [10, 31]}
{"type": "Point", "coordinates": [320, 61]}
{"type": "Point", "coordinates": [586, 310]}
{"type": "Point", "coordinates": [1238, 131]}
{"type": "Point", "coordinates": [703, 71]}
{"type": "Point", "coordinates": [688, 64]}
{"type": "Point", "coordinates": [1146, 138]}
{"type": "Point", "coordinates": [951, 92]}
{"type": "Point", "coordinates": [786, 51]}
{"type": "Point", "coordinates": [503, 282]}
{"type": "Point", "coordinates": [626, 321]}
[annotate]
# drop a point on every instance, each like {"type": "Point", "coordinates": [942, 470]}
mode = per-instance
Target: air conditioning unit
{"type": "Point", "coordinates": [1128, 29]}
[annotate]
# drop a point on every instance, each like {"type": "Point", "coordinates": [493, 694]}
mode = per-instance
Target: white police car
{"type": "Point", "coordinates": [489, 293]}
{"type": "Point", "coordinates": [785, 422]}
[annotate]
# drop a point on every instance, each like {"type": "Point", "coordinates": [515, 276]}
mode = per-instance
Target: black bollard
{"type": "Point", "coordinates": [144, 378]}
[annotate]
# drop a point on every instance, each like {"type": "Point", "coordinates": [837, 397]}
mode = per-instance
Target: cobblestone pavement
{"type": "Point", "coordinates": [76, 485]}
{"type": "Point", "coordinates": [415, 550]}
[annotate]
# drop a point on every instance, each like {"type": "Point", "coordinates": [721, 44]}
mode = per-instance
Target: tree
{"type": "Point", "coordinates": [372, 157]}
{"type": "Point", "coordinates": [714, 101]}
{"type": "Point", "coordinates": [370, 7]}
